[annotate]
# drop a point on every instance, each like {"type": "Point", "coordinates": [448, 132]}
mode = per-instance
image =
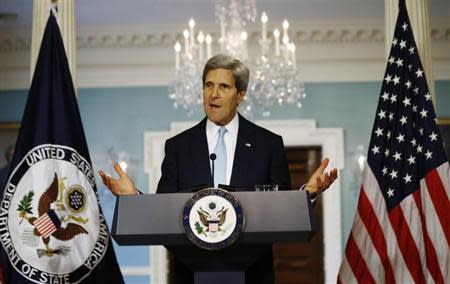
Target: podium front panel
{"type": "Point", "coordinates": [155, 219]}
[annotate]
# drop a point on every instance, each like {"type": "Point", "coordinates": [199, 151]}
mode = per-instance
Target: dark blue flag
{"type": "Point", "coordinates": [52, 228]}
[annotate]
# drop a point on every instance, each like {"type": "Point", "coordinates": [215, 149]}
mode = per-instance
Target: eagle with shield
{"type": "Point", "coordinates": [53, 219]}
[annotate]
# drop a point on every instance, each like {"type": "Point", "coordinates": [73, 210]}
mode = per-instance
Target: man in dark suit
{"type": "Point", "coordinates": [258, 159]}
{"type": "Point", "coordinates": [247, 155]}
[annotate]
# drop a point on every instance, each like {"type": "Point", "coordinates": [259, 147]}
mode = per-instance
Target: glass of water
{"type": "Point", "coordinates": [266, 187]}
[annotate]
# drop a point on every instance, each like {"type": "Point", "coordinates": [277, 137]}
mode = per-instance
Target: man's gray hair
{"type": "Point", "coordinates": [240, 72]}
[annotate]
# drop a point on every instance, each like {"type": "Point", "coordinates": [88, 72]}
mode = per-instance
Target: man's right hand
{"type": "Point", "coordinates": [121, 186]}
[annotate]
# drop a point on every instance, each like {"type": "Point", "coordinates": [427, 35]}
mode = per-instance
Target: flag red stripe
{"type": "Point", "coordinates": [40, 220]}
{"type": "Point", "coordinates": [48, 231]}
{"type": "Point", "coordinates": [357, 262]}
{"type": "Point", "coordinates": [375, 231]}
{"type": "Point", "coordinates": [440, 200]}
{"type": "Point", "coordinates": [346, 275]}
{"type": "Point", "coordinates": [431, 260]}
{"type": "Point", "coordinates": [406, 244]}
{"type": "Point", "coordinates": [45, 226]}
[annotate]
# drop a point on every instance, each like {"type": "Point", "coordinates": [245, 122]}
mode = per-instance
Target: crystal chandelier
{"type": "Point", "coordinates": [274, 76]}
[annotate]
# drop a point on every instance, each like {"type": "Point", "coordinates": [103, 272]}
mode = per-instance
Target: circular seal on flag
{"type": "Point", "coordinates": [213, 218]}
{"type": "Point", "coordinates": [51, 226]}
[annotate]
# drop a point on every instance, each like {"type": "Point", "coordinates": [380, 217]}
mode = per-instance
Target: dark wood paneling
{"type": "Point", "coordinates": [297, 263]}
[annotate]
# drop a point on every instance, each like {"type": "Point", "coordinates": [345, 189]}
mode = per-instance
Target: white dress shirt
{"type": "Point", "coordinates": [230, 137]}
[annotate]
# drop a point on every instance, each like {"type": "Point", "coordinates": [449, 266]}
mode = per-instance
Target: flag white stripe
{"type": "Point", "coordinates": [42, 219]}
{"type": "Point", "coordinates": [346, 274]}
{"type": "Point", "coordinates": [48, 230]}
{"type": "Point", "coordinates": [436, 232]}
{"type": "Point", "coordinates": [412, 217]}
{"type": "Point", "coordinates": [45, 225]}
{"type": "Point", "coordinates": [444, 173]}
{"type": "Point", "coordinates": [367, 249]}
{"type": "Point", "coordinates": [373, 192]}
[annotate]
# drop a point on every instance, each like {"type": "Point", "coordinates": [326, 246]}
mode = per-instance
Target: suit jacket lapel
{"type": "Point", "coordinates": [242, 154]}
{"type": "Point", "coordinates": [200, 153]}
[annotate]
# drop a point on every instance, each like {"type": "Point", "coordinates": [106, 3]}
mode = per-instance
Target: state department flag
{"type": "Point", "coordinates": [52, 228]}
{"type": "Point", "coordinates": [401, 230]}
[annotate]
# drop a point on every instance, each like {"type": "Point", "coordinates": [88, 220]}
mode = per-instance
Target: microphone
{"type": "Point", "coordinates": [212, 157]}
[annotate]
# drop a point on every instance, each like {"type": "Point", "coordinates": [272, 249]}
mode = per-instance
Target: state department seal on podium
{"type": "Point", "coordinates": [213, 218]}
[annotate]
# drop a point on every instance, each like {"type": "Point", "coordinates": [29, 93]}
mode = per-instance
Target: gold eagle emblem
{"type": "Point", "coordinates": [209, 220]}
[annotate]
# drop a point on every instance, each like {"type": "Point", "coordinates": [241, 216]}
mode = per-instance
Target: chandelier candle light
{"type": "Point", "coordinates": [275, 78]}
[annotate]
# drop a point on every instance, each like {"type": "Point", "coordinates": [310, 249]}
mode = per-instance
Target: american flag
{"type": "Point", "coordinates": [401, 230]}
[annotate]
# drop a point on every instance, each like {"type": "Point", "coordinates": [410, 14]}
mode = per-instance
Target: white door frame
{"type": "Point", "coordinates": [294, 133]}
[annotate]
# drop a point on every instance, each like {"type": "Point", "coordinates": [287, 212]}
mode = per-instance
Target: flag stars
{"type": "Point", "coordinates": [404, 26]}
{"type": "Point", "coordinates": [400, 138]}
{"type": "Point", "coordinates": [419, 149]}
{"type": "Point", "coordinates": [385, 96]}
{"type": "Point", "coordinates": [390, 192]}
{"type": "Point", "coordinates": [416, 90]}
{"type": "Point", "coordinates": [428, 97]}
{"type": "Point", "coordinates": [402, 44]}
{"type": "Point", "coordinates": [394, 42]}
{"type": "Point", "coordinates": [396, 80]}
{"type": "Point", "coordinates": [399, 62]}
{"type": "Point", "coordinates": [391, 116]}
{"type": "Point", "coordinates": [428, 154]}
{"type": "Point", "coordinates": [403, 120]}
{"type": "Point", "coordinates": [419, 73]}
{"type": "Point", "coordinates": [384, 171]}
{"type": "Point", "coordinates": [411, 160]}
{"type": "Point", "coordinates": [423, 113]}
{"type": "Point", "coordinates": [397, 156]}
{"type": "Point", "coordinates": [388, 78]}
{"type": "Point", "coordinates": [414, 108]}
{"type": "Point", "coordinates": [407, 178]}
{"type": "Point", "coordinates": [393, 174]}
{"type": "Point", "coordinates": [407, 102]}
{"type": "Point", "coordinates": [391, 60]}
{"type": "Point", "coordinates": [388, 135]}
{"type": "Point", "coordinates": [411, 50]}
{"type": "Point", "coordinates": [393, 98]}
{"type": "Point", "coordinates": [375, 149]}
{"type": "Point", "coordinates": [408, 84]}
{"type": "Point", "coordinates": [433, 136]}
{"type": "Point", "coordinates": [409, 67]}
{"type": "Point", "coordinates": [379, 131]}
{"type": "Point", "coordinates": [386, 152]}
{"type": "Point", "coordinates": [382, 114]}
{"type": "Point", "coordinates": [421, 131]}
{"type": "Point", "coordinates": [414, 142]}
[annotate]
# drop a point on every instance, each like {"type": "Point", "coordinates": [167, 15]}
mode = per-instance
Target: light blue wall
{"type": "Point", "coordinates": [115, 120]}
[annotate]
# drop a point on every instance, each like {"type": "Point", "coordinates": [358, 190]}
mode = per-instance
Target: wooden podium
{"type": "Point", "coordinates": [156, 219]}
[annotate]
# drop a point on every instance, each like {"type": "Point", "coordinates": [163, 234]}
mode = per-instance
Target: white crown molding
{"type": "Point", "coordinates": [143, 56]}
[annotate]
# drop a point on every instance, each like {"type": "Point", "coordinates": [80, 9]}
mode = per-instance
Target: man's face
{"type": "Point", "coordinates": [220, 96]}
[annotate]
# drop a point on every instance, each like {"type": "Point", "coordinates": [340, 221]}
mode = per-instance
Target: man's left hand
{"type": "Point", "coordinates": [321, 180]}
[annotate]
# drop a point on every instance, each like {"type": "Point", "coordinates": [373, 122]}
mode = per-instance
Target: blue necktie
{"type": "Point", "coordinates": [220, 164]}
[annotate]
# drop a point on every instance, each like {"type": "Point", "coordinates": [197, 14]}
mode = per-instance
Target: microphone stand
{"type": "Point", "coordinates": [212, 157]}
